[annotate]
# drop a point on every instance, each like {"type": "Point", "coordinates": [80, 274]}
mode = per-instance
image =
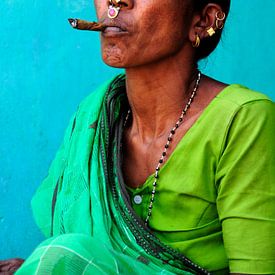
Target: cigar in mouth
{"type": "Point", "coordinates": [85, 25]}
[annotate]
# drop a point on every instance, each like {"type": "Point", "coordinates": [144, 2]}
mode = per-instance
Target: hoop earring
{"type": "Point", "coordinates": [197, 42]}
{"type": "Point", "coordinates": [211, 31]}
{"type": "Point", "coordinates": [220, 16]}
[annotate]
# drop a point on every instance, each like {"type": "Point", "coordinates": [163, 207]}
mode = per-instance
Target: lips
{"type": "Point", "coordinates": [114, 28]}
{"type": "Point", "coordinates": [111, 31]}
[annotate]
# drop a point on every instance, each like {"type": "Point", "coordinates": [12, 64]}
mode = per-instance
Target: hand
{"type": "Point", "coordinates": [8, 267]}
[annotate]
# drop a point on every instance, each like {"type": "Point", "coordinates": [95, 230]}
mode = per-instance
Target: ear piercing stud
{"type": "Point", "coordinates": [219, 23]}
{"type": "Point", "coordinates": [211, 31]}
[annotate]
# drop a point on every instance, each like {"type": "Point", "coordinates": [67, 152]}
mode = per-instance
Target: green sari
{"type": "Point", "coordinates": [84, 208]}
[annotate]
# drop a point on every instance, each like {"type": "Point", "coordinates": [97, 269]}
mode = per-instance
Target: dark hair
{"type": "Point", "coordinates": [209, 44]}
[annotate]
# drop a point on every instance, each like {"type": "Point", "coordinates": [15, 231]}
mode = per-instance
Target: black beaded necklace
{"type": "Point", "coordinates": [166, 146]}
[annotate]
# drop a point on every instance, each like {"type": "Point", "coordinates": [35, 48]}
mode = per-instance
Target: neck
{"type": "Point", "coordinates": [157, 94]}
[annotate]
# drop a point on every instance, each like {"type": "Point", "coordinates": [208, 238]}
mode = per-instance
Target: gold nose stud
{"type": "Point", "coordinates": [114, 8]}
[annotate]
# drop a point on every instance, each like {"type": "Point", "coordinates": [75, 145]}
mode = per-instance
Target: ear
{"type": "Point", "coordinates": [204, 21]}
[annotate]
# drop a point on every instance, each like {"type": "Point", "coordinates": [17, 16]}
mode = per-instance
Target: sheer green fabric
{"type": "Point", "coordinates": [216, 207]}
{"type": "Point", "coordinates": [83, 205]}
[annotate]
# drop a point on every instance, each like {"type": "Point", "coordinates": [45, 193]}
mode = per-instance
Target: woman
{"type": "Point", "coordinates": [163, 170]}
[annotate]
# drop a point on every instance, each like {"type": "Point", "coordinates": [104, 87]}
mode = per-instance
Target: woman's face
{"type": "Point", "coordinates": [145, 31]}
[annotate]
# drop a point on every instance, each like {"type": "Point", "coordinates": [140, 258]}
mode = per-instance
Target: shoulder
{"type": "Point", "coordinates": [247, 101]}
{"type": "Point", "coordinates": [90, 107]}
{"type": "Point", "coordinates": [240, 115]}
{"type": "Point", "coordinates": [250, 121]}
{"type": "Point", "coordinates": [238, 95]}
{"type": "Point", "coordinates": [237, 103]}
{"type": "Point", "coordinates": [96, 97]}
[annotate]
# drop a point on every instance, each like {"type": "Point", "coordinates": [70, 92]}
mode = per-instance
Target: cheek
{"type": "Point", "coordinates": [159, 35]}
{"type": "Point", "coordinates": [100, 7]}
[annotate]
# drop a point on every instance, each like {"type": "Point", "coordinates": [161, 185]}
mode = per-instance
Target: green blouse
{"type": "Point", "coordinates": [215, 199]}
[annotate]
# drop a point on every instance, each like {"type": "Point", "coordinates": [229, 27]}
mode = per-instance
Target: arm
{"type": "Point", "coordinates": [246, 190]}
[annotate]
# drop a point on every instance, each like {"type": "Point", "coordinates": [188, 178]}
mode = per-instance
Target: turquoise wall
{"type": "Point", "coordinates": [46, 68]}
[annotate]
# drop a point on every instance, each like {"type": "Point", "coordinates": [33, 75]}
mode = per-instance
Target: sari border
{"type": "Point", "coordinates": [143, 235]}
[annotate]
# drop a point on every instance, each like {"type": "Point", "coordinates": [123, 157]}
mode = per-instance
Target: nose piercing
{"type": "Point", "coordinates": [113, 9]}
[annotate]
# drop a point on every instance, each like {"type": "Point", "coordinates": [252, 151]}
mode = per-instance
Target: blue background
{"type": "Point", "coordinates": [47, 68]}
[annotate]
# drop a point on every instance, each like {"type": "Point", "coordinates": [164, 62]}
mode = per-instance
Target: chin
{"type": "Point", "coordinates": [113, 61]}
{"type": "Point", "coordinates": [113, 56]}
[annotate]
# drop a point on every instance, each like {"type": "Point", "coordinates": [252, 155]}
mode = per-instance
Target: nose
{"type": "Point", "coordinates": [124, 4]}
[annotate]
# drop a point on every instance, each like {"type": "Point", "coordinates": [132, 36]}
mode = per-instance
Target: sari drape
{"type": "Point", "coordinates": [84, 208]}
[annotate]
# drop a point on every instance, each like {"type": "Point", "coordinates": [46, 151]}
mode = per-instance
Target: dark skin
{"type": "Point", "coordinates": [159, 36]}
{"type": "Point", "coordinates": [156, 51]}
{"type": "Point", "coordinates": [8, 267]}
{"type": "Point", "coordinates": [159, 59]}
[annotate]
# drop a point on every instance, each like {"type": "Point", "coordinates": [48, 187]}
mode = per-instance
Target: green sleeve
{"type": "Point", "coordinates": [246, 189]}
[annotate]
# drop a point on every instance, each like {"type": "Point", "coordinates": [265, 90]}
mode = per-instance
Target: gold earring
{"type": "Point", "coordinates": [197, 42]}
{"type": "Point", "coordinates": [211, 31]}
{"type": "Point", "coordinates": [220, 16]}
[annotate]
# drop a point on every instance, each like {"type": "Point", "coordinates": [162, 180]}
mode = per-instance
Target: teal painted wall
{"type": "Point", "coordinates": [46, 68]}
